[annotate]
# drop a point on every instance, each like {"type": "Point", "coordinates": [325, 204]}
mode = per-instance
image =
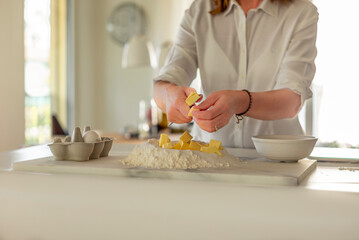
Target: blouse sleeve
{"type": "Point", "coordinates": [298, 68]}
{"type": "Point", "coordinates": [181, 63]}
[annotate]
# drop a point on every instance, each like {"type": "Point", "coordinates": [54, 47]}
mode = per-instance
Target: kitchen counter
{"type": "Point", "coordinates": [64, 206]}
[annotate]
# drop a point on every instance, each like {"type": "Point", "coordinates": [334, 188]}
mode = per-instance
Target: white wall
{"type": "Point", "coordinates": [12, 120]}
{"type": "Point", "coordinates": [85, 70]}
{"type": "Point", "coordinates": [107, 96]}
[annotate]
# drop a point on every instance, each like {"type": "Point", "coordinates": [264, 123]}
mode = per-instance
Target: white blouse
{"type": "Point", "coordinates": [273, 47]}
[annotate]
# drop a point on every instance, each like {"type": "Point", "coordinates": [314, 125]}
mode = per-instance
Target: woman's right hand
{"type": "Point", "coordinates": [176, 106]}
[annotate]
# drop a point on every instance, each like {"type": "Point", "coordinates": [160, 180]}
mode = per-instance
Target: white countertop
{"type": "Point", "coordinates": [64, 206]}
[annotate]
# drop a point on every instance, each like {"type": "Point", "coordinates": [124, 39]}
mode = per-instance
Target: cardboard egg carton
{"type": "Point", "coordinates": [81, 147]}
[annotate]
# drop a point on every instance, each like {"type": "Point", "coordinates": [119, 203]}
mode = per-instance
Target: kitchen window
{"type": "Point", "coordinates": [45, 68]}
{"type": "Point", "coordinates": [336, 83]}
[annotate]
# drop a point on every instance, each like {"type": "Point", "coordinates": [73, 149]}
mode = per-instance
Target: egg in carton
{"type": "Point", "coordinates": [81, 147]}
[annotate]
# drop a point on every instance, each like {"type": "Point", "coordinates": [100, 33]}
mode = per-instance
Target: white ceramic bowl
{"type": "Point", "coordinates": [284, 148]}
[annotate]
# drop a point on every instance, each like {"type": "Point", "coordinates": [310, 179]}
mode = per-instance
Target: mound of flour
{"type": "Point", "coordinates": [150, 155]}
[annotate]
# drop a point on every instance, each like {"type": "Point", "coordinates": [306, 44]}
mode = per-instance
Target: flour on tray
{"type": "Point", "coordinates": [151, 155]}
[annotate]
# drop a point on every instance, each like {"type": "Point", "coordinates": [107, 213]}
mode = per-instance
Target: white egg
{"type": "Point", "coordinates": [91, 136]}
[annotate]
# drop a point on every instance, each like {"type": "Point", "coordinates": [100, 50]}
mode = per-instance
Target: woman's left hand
{"type": "Point", "coordinates": [217, 110]}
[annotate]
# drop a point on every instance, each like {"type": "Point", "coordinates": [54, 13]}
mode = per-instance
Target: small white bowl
{"type": "Point", "coordinates": [284, 148]}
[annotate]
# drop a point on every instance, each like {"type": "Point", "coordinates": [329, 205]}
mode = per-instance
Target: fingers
{"type": "Point", "coordinates": [184, 109]}
{"type": "Point", "coordinates": [177, 109]}
{"type": "Point", "coordinates": [189, 90]}
{"type": "Point", "coordinates": [210, 108]}
{"type": "Point", "coordinates": [214, 124]}
{"type": "Point", "coordinates": [200, 97]}
{"type": "Point", "coordinates": [207, 103]}
{"type": "Point", "coordinates": [178, 117]}
{"type": "Point", "coordinates": [213, 112]}
{"type": "Point", "coordinates": [178, 112]}
{"type": "Point", "coordinates": [182, 105]}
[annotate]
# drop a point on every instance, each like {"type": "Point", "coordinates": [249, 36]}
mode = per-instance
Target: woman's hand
{"type": "Point", "coordinates": [216, 111]}
{"type": "Point", "coordinates": [171, 99]}
{"type": "Point", "coordinates": [176, 106]}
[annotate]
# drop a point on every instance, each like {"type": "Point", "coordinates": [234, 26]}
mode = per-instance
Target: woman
{"type": "Point", "coordinates": [256, 62]}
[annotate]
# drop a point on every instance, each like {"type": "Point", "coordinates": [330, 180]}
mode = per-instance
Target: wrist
{"type": "Point", "coordinates": [168, 88]}
{"type": "Point", "coordinates": [162, 93]}
{"type": "Point", "coordinates": [245, 104]}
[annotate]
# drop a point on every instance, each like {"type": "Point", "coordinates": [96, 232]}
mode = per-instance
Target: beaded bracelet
{"type": "Point", "coordinates": [240, 115]}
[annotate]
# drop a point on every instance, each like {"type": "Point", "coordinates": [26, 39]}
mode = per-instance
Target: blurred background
{"type": "Point", "coordinates": [68, 63]}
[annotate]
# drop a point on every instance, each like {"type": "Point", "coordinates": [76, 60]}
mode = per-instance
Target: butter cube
{"type": "Point", "coordinates": [211, 150]}
{"type": "Point", "coordinates": [163, 140]}
{"type": "Point", "coordinates": [168, 145]}
{"type": "Point", "coordinates": [177, 145]}
{"type": "Point", "coordinates": [190, 111]}
{"type": "Point", "coordinates": [186, 137]}
{"type": "Point", "coordinates": [194, 146]}
{"type": "Point", "coordinates": [192, 98]}
{"type": "Point", "coordinates": [215, 143]}
{"type": "Point", "coordinates": [184, 145]}
{"type": "Point", "coordinates": [204, 145]}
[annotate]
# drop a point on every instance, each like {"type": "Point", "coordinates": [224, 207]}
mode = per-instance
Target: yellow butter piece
{"type": "Point", "coordinates": [163, 140]}
{"type": "Point", "coordinates": [184, 145]}
{"type": "Point", "coordinates": [177, 145]}
{"type": "Point", "coordinates": [208, 149]}
{"type": "Point", "coordinates": [190, 111]}
{"type": "Point", "coordinates": [215, 143]}
{"type": "Point", "coordinates": [211, 150]}
{"type": "Point", "coordinates": [192, 98]}
{"type": "Point", "coordinates": [194, 146]}
{"type": "Point", "coordinates": [186, 137]}
{"type": "Point", "coordinates": [168, 145]}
